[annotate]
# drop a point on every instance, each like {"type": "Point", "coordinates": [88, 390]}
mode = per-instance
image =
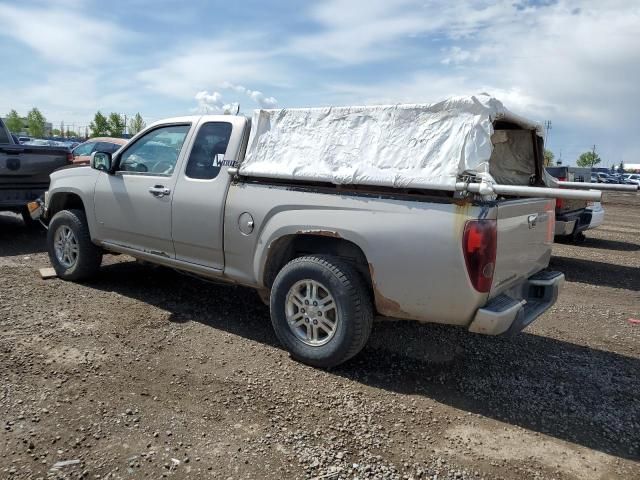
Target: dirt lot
{"type": "Point", "coordinates": [145, 373]}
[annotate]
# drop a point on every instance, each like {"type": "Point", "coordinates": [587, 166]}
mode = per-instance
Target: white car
{"type": "Point", "coordinates": [633, 177]}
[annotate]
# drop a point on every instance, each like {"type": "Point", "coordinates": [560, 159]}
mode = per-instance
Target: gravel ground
{"type": "Point", "coordinates": [145, 373]}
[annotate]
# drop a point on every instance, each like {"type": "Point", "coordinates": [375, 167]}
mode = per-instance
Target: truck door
{"type": "Point", "coordinates": [133, 205]}
{"type": "Point", "coordinates": [201, 191]}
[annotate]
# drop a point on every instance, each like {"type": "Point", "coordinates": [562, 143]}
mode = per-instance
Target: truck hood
{"type": "Point", "coordinates": [65, 174]}
{"type": "Point", "coordinates": [69, 171]}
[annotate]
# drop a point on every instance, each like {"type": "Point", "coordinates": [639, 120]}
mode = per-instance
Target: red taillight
{"type": "Point", "coordinates": [69, 157]}
{"type": "Point", "coordinates": [479, 246]}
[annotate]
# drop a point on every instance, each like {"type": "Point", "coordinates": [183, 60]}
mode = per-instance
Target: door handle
{"type": "Point", "coordinates": [159, 191]}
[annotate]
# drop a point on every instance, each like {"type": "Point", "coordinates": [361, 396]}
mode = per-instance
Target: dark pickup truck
{"type": "Point", "coordinates": [24, 171]}
{"type": "Point", "coordinates": [573, 217]}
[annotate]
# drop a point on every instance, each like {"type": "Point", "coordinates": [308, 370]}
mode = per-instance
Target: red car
{"type": "Point", "coordinates": [82, 153]}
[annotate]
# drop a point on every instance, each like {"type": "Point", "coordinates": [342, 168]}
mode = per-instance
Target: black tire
{"type": "Point", "coordinates": [351, 296]}
{"type": "Point", "coordinates": [578, 238]}
{"type": "Point", "coordinates": [89, 255]}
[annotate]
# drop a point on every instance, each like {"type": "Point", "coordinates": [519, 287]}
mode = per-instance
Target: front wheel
{"type": "Point", "coordinates": [71, 252]}
{"type": "Point", "coordinates": [321, 310]}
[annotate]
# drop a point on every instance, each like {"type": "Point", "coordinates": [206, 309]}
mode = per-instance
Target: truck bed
{"type": "Point", "coordinates": [387, 228]}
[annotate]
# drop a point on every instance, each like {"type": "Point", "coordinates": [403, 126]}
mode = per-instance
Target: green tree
{"type": "Point", "coordinates": [71, 133]}
{"type": "Point", "coordinates": [588, 159]}
{"type": "Point", "coordinates": [136, 124]}
{"type": "Point", "coordinates": [36, 123]}
{"type": "Point", "coordinates": [100, 125]}
{"type": "Point", "coordinates": [14, 123]}
{"type": "Point", "coordinates": [116, 124]}
{"type": "Point", "coordinates": [55, 132]}
{"type": "Point", "coordinates": [548, 158]}
{"type": "Point", "coordinates": [621, 167]}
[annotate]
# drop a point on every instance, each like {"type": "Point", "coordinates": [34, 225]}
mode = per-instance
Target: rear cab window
{"type": "Point", "coordinates": [207, 155]}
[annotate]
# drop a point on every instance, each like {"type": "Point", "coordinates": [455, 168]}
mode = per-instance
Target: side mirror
{"type": "Point", "coordinates": [101, 161]}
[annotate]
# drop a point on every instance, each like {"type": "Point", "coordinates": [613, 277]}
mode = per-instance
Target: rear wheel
{"type": "Point", "coordinates": [321, 310]}
{"type": "Point", "coordinates": [71, 252]}
{"type": "Point", "coordinates": [578, 238]}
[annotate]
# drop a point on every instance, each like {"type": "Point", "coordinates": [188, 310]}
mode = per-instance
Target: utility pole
{"type": "Point", "coordinates": [125, 124]}
{"type": "Point", "coordinates": [547, 127]}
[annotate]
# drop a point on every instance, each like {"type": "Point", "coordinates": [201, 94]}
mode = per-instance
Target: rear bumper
{"type": "Point", "coordinates": [511, 312]}
{"type": "Point", "coordinates": [11, 199]}
{"type": "Point", "coordinates": [572, 223]}
{"type": "Point", "coordinates": [564, 227]}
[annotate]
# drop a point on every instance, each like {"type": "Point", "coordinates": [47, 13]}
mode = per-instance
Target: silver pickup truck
{"type": "Point", "coordinates": [327, 258]}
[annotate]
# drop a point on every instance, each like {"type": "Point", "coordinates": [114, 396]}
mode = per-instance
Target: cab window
{"type": "Point", "coordinates": [156, 152]}
{"type": "Point", "coordinates": [208, 150]}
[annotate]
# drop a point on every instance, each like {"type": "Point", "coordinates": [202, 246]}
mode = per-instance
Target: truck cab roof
{"type": "Point", "coordinates": [197, 118]}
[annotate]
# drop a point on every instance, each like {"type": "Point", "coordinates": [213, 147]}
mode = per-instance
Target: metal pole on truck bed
{"type": "Point", "coordinates": [520, 191]}
{"type": "Point", "coordinates": [599, 186]}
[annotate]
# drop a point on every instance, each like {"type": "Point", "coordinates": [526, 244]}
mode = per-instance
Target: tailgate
{"type": "Point", "coordinates": [564, 205]}
{"type": "Point", "coordinates": [525, 237]}
{"type": "Point", "coordinates": [28, 165]}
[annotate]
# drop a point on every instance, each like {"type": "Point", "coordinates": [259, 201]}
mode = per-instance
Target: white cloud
{"type": "Point", "coordinates": [354, 31]}
{"type": "Point", "coordinates": [214, 103]}
{"type": "Point", "coordinates": [257, 96]}
{"type": "Point", "coordinates": [358, 31]}
{"type": "Point", "coordinates": [456, 55]}
{"type": "Point", "coordinates": [63, 36]}
{"type": "Point", "coordinates": [192, 67]}
{"type": "Point", "coordinates": [578, 65]}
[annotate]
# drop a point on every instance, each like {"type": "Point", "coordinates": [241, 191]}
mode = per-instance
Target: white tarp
{"type": "Point", "coordinates": [394, 145]}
